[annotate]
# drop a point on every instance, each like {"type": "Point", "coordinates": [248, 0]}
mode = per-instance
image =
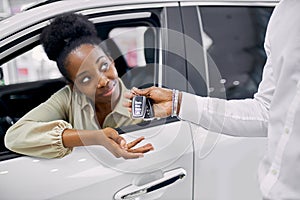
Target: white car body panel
{"type": "Point", "coordinates": [96, 172]}
{"type": "Point", "coordinates": [226, 168]}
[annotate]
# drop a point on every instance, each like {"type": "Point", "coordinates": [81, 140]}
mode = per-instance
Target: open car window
{"type": "Point", "coordinates": [32, 65]}
{"type": "Point", "coordinates": [130, 41]}
{"type": "Point", "coordinates": [30, 78]}
{"type": "Point", "coordinates": [137, 51]}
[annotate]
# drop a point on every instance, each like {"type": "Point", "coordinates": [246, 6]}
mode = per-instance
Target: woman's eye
{"type": "Point", "coordinates": [104, 67]}
{"type": "Point", "coordinates": [85, 80]}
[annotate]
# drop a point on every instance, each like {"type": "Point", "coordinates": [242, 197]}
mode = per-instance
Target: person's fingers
{"type": "Point", "coordinates": [118, 147]}
{"type": "Point", "coordinates": [135, 142]}
{"type": "Point", "coordinates": [127, 104]}
{"type": "Point", "coordinates": [143, 92]}
{"type": "Point", "coordinates": [144, 149]}
{"type": "Point", "coordinates": [116, 144]}
{"type": "Point", "coordinates": [129, 155]}
{"type": "Point", "coordinates": [128, 95]}
{"type": "Point", "coordinates": [114, 135]}
{"type": "Point", "coordinates": [130, 110]}
{"type": "Point", "coordinates": [112, 147]}
{"type": "Point", "coordinates": [118, 152]}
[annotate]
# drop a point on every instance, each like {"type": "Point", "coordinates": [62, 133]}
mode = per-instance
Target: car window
{"type": "Point", "coordinates": [234, 40]}
{"type": "Point", "coordinates": [30, 77]}
{"type": "Point", "coordinates": [135, 46]}
{"type": "Point", "coordinates": [130, 40]}
{"type": "Point", "coordinates": [32, 65]}
{"type": "Point", "coordinates": [20, 90]}
{"type": "Point", "coordinates": [5, 10]}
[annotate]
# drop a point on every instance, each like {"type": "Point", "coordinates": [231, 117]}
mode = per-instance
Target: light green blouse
{"type": "Point", "coordinates": [38, 133]}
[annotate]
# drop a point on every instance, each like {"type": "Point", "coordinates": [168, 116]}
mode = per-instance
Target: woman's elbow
{"type": "Point", "coordinates": [8, 140]}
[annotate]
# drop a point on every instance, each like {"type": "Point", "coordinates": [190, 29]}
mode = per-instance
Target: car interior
{"type": "Point", "coordinates": [138, 76]}
{"type": "Point", "coordinates": [241, 57]}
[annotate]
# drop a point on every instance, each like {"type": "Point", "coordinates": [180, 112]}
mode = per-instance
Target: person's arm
{"type": "Point", "coordinates": [248, 117]}
{"type": "Point", "coordinates": [40, 132]}
{"type": "Point", "coordinates": [109, 138]}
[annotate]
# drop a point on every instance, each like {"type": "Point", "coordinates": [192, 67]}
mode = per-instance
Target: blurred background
{"type": "Point", "coordinates": [34, 65]}
{"type": "Point", "coordinates": [10, 7]}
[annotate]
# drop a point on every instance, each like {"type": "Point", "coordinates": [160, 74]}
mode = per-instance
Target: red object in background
{"type": "Point", "coordinates": [131, 55]}
{"type": "Point", "coordinates": [23, 71]}
{"type": "Point", "coordinates": [131, 58]}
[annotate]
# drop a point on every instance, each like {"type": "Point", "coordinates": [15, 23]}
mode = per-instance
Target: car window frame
{"type": "Point", "coordinates": [197, 5]}
{"type": "Point", "coordinates": [11, 48]}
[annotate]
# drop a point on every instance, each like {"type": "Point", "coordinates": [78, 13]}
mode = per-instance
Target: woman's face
{"type": "Point", "coordinates": [93, 73]}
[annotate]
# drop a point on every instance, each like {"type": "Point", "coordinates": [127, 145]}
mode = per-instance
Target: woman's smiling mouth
{"type": "Point", "coordinates": [109, 89]}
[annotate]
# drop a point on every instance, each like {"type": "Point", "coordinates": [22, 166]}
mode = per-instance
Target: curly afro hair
{"type": "Point", "coordinates": [66, 33]}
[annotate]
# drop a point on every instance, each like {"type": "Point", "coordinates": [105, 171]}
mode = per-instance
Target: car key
{"type": "Point", "coordinates": [149, 114]}
{"type": "Point", "coordinates": [138, 106]}
{"type": "Point", "coordinates": [142, 108]}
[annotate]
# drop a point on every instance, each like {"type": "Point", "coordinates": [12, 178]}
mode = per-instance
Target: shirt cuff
{"type": "Point", "coordinates": [57, 142]}
{"type": "Point", "coordinates": [191, 107]}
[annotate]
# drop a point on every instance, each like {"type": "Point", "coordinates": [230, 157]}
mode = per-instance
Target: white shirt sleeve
{"type": "Point", "coordinates": [248, 117]}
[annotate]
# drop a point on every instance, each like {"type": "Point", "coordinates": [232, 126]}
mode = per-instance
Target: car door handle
{"type": "Point", "coordinates": [134, 191]}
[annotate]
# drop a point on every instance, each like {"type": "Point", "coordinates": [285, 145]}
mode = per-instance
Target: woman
{"type": "Point", "coordinates": [83, 112]}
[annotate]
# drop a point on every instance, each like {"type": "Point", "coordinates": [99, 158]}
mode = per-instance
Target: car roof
{"type": "Point", "coordinates": [49, 9]}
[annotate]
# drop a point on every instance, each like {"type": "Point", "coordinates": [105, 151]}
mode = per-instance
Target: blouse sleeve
{"type": "Point", "coordinates": [39, 132]}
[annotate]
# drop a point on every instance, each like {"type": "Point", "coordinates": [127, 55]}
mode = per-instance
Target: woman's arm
{"type": "Point", "coordinates": [109, 138]}
{"type": "Point", "coordinates": [38, 133]}
{"type": "Point", "coordinates": [45, 132]}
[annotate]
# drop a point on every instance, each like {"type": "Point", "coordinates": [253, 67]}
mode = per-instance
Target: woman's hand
{"type": "Point", "coordinates": [117, 145]}
{"type": "Point", "coordinates": [161, 99]}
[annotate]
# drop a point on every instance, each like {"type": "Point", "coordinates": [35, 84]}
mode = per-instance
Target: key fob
{"type": "Point", "coordinates": [149, 114]}
{"type": "Point", "coordinates": [142, 108]}
{"type": "Point", "coordinates": [138, 106]}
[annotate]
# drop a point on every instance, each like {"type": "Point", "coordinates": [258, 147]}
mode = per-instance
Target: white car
{"type": "Point", "coordinates": [206, 47]}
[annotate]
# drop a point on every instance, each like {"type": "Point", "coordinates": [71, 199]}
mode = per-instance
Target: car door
{"type": "Point", "coordinates": [230, 36]}
{"type": "Point", "coordinates": [92, 172]}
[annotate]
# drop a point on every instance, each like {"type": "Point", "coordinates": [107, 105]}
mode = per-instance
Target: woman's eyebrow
{"type": "Point", "coordinates": [81, 74]}
{"type": "Point", "coordinates": [99, 59]}
{"type": "Point", "coordinates": [84, 72]}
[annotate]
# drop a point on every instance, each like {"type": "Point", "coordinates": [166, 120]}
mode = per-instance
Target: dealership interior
{"type": "Point", "coordinates": [10, 7]}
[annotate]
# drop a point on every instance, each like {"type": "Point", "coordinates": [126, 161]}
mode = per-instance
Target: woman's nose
{"type": "Point", "coordinates": [102, 82]}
